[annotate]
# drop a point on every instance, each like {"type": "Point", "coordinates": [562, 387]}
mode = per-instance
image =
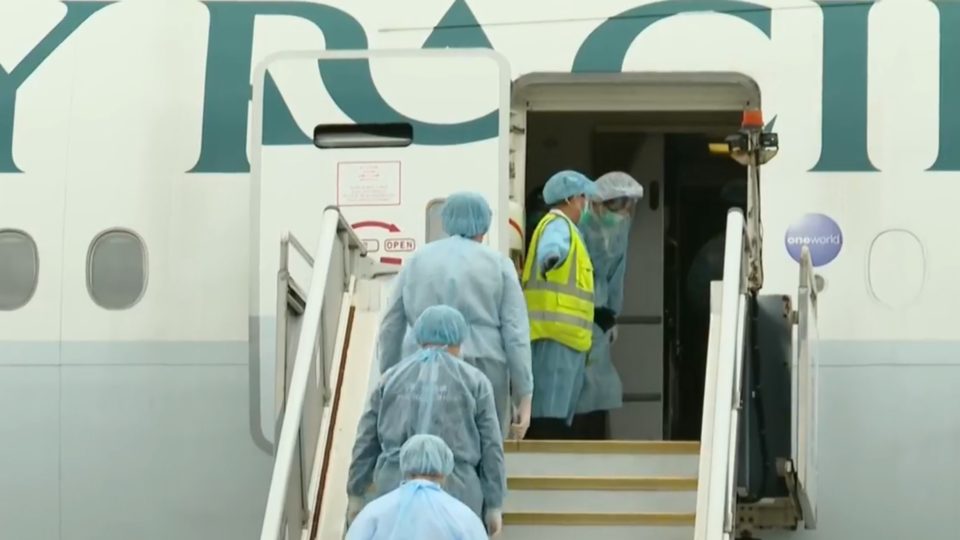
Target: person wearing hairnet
{"type": "Point", "coordinates": [419, 508]}
{"type": "Point", "coordinates": [558, 287]}
{"type": "Point", "coordinates": [435, 392]}
{"type": "Point", "coordinates": [482, 284]}
{"type": "Point", "coordinates": [606, 230]}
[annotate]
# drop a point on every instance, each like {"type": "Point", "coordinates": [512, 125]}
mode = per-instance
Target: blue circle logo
{"type": "Point", "coordinates": [818, 232]}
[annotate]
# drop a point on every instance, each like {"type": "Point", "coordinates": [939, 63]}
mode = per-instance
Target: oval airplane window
{"type": "Point", "coordinates": [19, 269]}
{"type": "Point", "coordinates": [117, 269]}
{"type": "Point", "coordinates": [896, 268]}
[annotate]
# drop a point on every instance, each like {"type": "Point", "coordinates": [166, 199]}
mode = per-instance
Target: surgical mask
{"type": "Point", "coordinates": [612, 219]}
{"type": "Point", "coordinates": [586, 216]}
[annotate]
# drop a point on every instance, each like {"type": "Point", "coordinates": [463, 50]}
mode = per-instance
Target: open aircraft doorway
{"type": "Point", "coordinates": [658, 128]}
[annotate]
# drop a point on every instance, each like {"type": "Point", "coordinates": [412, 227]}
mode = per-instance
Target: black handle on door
{"type": "Point", "coordinates": [653, 199]}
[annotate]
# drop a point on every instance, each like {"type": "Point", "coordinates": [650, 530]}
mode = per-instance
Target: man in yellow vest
{"type": "Point", "coordinates": [558, 287]}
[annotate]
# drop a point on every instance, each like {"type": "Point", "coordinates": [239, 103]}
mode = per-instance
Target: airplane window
{"type": "Point", "coordinates": [117, 269]}
{"type": "Point", "coordinates": [19, 269]}
{"type": "Point", "coordinates": [434, 221]}
{"type": "Point", "coordinates": [897, 268]}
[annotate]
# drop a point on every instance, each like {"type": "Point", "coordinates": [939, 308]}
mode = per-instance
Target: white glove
{"type": "Point", "coordinates": [494, 522]}
{"type": "Point", "coordinates": [521, 418]}
{"type": "Point", "coordinates": [613, 334]}
{"type": "Point", "coordinates": [354, 505]}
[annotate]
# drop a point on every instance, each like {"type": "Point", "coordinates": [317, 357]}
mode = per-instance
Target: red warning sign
{"type": "Point", "coordinates": [395, 245]}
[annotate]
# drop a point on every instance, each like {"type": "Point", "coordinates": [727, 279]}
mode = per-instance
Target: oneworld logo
{"type": "Point", "coordinates": [820, 233]}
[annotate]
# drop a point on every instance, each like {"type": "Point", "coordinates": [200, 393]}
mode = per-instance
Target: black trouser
{"type": "Point", "coordinates": [591, 426]}
{"type": "Point", "coordinates": [555, 429]}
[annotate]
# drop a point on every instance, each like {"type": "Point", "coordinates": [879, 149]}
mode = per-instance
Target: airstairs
{"type": "Point", "coordinates": [753, 469]}
{"type": "Point", "coordinates": [736, 480]}
{"type": "Point", "coordinates": [566, 490]}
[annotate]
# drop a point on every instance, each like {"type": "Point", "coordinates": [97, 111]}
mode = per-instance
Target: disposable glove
{"type": "Point", "coordinates": [605, 318]}
{"type": "Point", "coordinates": [354, 505]}
{"type": "Point", "coordinates": [613, 334]}
{"type": "Point", "coordinates": [521, 418]}
{"type": "Point", "coordinates": [494, 522]}
{"type": "Point", "coordinates": [548, 265]}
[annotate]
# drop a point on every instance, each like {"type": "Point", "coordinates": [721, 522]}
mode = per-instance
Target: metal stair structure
{"type": "Point", "coordinates": [602, 490]}
{"type": "Point", "coordinates": [754, 468]}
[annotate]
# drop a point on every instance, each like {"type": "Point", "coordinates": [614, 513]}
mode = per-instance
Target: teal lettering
{"type": "Point", "coordinates": [843, 139]}
{"type": "Point", "coordinates": [351, 86]}
{"type": "Point", "coordinates": [349, 83]}
{"type": "Point", "coordinates": [77, 13]}
{"type": "Point", "coordinates": [227, 91]}
{"type": "Point", "coordinates": [948, 157]}
{"type": "Point", "coordinates": [606, 47]}
{"type": "Point", "coordinates": [279, 126]}
{"type": "Point", "coordinates": [458, 28]}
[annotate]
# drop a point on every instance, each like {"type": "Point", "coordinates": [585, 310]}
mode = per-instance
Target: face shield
{"type": "Point", "coordinates": [612, 211]}
{"type": "Point", "coordinates": [608, 225]}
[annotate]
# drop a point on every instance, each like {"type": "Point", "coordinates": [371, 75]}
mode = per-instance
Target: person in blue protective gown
{"type": "Point", "coordinates": [482, 284]}
{"type": "Point", "coordinates": [419, 509]}
{"type": "Point", "coordinates": [433, 391]}
{"type": "Point", "coordinates": [606, 231]}
{"type": "Point", "coordinates": [558, 288]}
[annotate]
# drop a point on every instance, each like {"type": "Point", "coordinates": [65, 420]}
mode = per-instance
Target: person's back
{"type": "Point", "coordinates": [406, 398]}
{"type": "Point", "coordinates": [480, 283]}
{"type": "Point", "coordinates": [433, 392]}
{"type": "Point", "coordinates": [417, 510]}
{"type": "Point", "coordinates": [465, 275]}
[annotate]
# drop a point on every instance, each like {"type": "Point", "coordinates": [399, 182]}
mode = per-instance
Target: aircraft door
{"type": "Point", "coordinates": [384, 135]}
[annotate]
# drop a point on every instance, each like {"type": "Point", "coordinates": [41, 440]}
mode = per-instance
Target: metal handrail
{"type": "Point", "coordinates": [806, 389]}
{"type": "Point", "coordinates": [717, 472]}
{"type": "Point", "coordinates": [332, 226]}
{"type": "Point", "coordinates": [290, 240]}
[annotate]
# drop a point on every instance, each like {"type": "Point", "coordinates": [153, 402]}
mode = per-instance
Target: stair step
{"type": "Point", "coordinates": [612, 532]}
{"type": "Point", "coordinates": [603, 447]}
{"type": "Point", "coordinates": [616, 458]}
{"type": "Point", "coordinates": [531, 494]}
{"type": "Point", "coordinates": [598, 526]}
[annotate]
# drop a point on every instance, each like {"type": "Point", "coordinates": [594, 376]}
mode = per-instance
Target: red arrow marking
{"type": "Point", "coordinates": [516, 227]}
{"type": "Point", "coordinates": [381, 224]}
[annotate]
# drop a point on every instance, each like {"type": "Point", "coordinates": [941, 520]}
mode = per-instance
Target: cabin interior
{"type": "Point", "coordinates": [675, 247]}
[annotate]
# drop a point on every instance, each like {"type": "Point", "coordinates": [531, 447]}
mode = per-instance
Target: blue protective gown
{"type": "Point", "coordinates": [602, 388]}
{"type": "Point", "coordinates": [557, 369]}
{"type": "Point", "coordinates": [418, 509]}
{"type": "Point", "coordinates": [436, 393]}
{"type": "Point", "coordinates": [482, 284]}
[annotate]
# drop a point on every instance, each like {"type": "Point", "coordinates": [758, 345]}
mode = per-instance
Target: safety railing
{"type": "Point", "coordinates": [291, 303]}
{"type": "Point", "coordinates": [716, 495]}
{"type": "Point", "coordinates": [806, 377]}
{"type": "Point", "coordinates": [305, 414]}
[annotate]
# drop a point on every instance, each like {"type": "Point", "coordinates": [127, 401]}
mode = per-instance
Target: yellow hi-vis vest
{"type": "Point", "coordinates": [561, 306]}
